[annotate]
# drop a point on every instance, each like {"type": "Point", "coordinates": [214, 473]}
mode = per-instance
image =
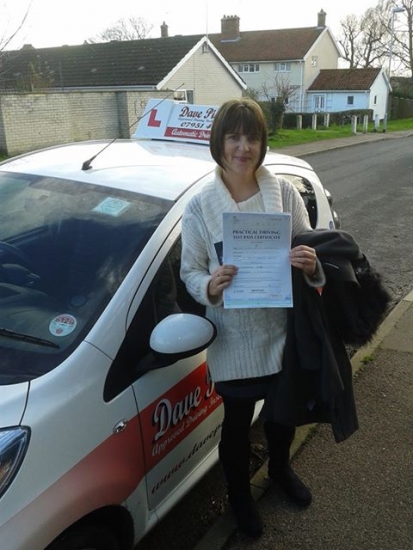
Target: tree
{"type": "Point", "coordinates": [133, 28]}
{"type": "Point", "coordinates": [401, 37]}
{"type": "Point", "coordinates": [278, 92]}
{"type": "Point", "coordinates": [363, 39]}
{"type": "Point", "coordinates": [8, 29]}
{"type": "Point", "coordinates": [368, 41]}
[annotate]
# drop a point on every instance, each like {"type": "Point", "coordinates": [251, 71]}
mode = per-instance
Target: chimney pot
{"type": "Point", "coordinates": [164, 30]}
{"type": "Point", "coordinates": [321, 18]}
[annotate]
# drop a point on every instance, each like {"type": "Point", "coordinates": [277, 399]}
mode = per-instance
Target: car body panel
{"type": "Point", "coordinates": [13, 401]}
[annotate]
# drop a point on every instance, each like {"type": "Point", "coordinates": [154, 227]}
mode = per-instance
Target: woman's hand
{"type": "Point", "coordinates": [305, 258]}
{"type": "Point", "coordinates": [221, 279]}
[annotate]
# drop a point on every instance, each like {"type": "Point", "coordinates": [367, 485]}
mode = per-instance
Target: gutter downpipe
{"type": "Point", "coordinates": [301, 86]}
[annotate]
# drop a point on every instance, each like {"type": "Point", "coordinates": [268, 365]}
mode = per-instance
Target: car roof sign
{"type": "Point", "coordinates": [173, 120]}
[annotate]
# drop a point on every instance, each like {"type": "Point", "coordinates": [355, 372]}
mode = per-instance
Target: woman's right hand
{"type": "Point", "coordinates": [221, 279]}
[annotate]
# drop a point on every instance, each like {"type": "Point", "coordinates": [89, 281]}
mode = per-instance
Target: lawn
{"type": "Point", "coordinates": [285, 138]}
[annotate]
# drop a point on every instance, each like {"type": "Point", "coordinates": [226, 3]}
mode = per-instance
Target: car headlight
{"type": "Point", "coordinates": [13, 446]}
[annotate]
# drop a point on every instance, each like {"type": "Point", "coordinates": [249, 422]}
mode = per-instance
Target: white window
{"type": "Point", "coordinates": [249, 68]}
{"type": "Point", "coordinates": [283, 67]}
{"type": "Point", "coordinates": [314, 61]}
{"type": "Point", "coordinates": [375, 100]}
{"type": "Point", "coordinates": [319, 102]}
{"type": "Point", "coordinates": [350, 100]}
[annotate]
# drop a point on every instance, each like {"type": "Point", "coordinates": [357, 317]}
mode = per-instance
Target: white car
{"type": "Point", "coordinates": [107, 414]}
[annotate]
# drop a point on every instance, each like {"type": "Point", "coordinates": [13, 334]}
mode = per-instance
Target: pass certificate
{"type": "Point", "coordinates": [259, 245]}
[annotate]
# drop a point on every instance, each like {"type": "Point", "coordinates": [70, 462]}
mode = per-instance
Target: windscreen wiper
{"type": "Point", "coordinates": [27, 338]}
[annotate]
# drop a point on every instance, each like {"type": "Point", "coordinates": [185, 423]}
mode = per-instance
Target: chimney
{"type": "Point", "coordinates": [164, 30]}
{"type": "Point", "coordinates": [321, 21]}
{"type": "Point", "coordinates": [230, 27]}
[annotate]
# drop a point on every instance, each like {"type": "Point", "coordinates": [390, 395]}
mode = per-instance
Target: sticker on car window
{"type": "Point", "coordinates": [112, 207]}
{"type": "Point", "coordinates": [62, 325]}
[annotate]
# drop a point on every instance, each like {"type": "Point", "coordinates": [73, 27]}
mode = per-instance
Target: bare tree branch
{"type": "Point", "coordinates": [381, 31]}
{"type": "Point", "coordinates": [6, 36]}
{"type": "Point", "coordinates": [134, 28]}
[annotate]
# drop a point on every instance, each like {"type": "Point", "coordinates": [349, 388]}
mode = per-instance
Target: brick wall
{"type": "Point", "coordinates": [30, 121]}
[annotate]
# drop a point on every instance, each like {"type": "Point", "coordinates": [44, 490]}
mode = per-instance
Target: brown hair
{"type": "Point", "coordinates": [241, 115]}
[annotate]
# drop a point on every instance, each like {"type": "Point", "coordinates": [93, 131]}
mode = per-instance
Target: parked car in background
{"type": "Point", "coordinates": [107, 413]}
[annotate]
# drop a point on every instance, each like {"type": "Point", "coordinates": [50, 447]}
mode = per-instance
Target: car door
{"type": "Point", "coordinates": [179, 411]}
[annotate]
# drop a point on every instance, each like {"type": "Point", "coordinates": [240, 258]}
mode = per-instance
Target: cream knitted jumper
{"type": "Point", "coordinates": [249, 342]}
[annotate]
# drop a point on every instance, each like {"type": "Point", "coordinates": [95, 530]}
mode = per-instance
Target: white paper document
{"type": "Point", "coordinates": [259, 245]}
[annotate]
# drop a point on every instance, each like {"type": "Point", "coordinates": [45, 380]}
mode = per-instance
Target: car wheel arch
{"type": "Point", "coordinates": [114, 519]}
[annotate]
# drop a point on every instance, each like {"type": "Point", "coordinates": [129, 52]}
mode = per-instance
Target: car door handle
{"type": "Point", "coordinates": [120, 426]}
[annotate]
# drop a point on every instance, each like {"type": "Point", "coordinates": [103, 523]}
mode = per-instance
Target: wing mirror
{"type": "Point", "coordinates": [176, 337]}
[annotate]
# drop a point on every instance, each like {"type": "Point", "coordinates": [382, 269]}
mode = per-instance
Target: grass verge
{"type": "Point", "coordinates": [286, 138]}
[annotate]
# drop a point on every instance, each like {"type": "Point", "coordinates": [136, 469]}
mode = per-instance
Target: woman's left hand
{"type": "Point", "coordinates": [305, 258]}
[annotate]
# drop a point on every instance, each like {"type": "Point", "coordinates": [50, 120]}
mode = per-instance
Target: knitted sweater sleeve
{"type": "Point", "coordinates": [195, 259]}
{"type": "Point", "coordinates": [293, 203]}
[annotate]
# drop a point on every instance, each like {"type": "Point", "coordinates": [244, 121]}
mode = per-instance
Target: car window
{"type": "Point", "coordinates": [65, 247]}
{"type": "Point", "coordinates": [307, 193]}
{"type": "Point", "coordinates": [166, 295]}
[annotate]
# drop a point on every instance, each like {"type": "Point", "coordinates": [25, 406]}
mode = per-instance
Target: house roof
{"type": "Point", "coordinates": [270, 45]}
{"type": "Point", "coordinates": [145, 62]}
{"type": "Point", "coordinates": [129, 63]}
{"type": "Point", "coordinates": [344, 79]}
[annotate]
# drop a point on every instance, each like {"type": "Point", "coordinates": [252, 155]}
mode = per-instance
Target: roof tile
{"type": "Point", "coordinates": [344, 79]}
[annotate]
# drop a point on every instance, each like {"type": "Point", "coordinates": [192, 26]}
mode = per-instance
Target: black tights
{"type": "Point", "coordinates": [234, 447]}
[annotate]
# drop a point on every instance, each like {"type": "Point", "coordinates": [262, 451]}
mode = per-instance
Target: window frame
{"type": "Point", "coordinates": [319, 102]}
{"type": "Point", "coordinates": [282, 66]}
{"type": "Point", "coordinates": [248, 68]}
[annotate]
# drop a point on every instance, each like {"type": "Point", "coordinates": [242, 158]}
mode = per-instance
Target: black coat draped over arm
{"type": "Point", "coordinates": [315, 384]}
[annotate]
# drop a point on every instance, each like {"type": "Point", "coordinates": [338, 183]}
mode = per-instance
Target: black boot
{"type": "Point", "coordinates": [235, 458]}
{"type": "Point", "coordinates": [279, 439]}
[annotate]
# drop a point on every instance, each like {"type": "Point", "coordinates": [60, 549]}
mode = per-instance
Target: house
{"type": "Point", "coordinates": [278, 62]}
{"type": "Point", "coordinates": [189, 64]}
{"type": "Point", "coordinates": [349, 89]}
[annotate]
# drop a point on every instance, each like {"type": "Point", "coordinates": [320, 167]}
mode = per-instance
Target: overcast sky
{"type": "Point", "coordinates": [58, 22]}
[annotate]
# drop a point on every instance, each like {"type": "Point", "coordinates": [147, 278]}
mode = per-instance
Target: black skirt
{"type": "Point", "coordinates": [247, 388]}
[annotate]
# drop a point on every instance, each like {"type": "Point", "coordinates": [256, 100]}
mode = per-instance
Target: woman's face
{"type": "Point", "coordinates": [241, 153]}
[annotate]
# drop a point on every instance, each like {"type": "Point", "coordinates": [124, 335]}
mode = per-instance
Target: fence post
{"type": "Point", "coordinates": [365, 124]}
{"type": "Point", "coordinates": [354, 124]}
{"type": "Point", "coordinates": [327, 120]}
{"type": "Point", "coordinates": [314, 122]}
{"type": "Point", "coordinates": [385, 123]}
{"type": "Point", "coordinates": [376, 123]}
{"type": "Point", "coordinates": [299, 122]}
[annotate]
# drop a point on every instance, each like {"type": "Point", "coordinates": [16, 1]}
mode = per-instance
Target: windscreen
{"type": "Point", "coordinates": [65, 247]}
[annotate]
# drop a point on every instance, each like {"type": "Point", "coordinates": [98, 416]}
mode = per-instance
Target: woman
{"type": "Point", "coordinates": [247, 353]}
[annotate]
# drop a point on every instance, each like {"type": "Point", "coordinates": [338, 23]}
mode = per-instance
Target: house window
{"type": "Point", "coordinates": [375, 100]}
{"type": "Point", "coordinates": [350, 100]}
{"type": "Point", "coordinates": [283, 67]}
{"type": "Point", "coordinates": [249, 68]}
{"type": "Point", "coordinates": [319, 102]}
{"type": "Point", "coordinates": [314, 61]}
